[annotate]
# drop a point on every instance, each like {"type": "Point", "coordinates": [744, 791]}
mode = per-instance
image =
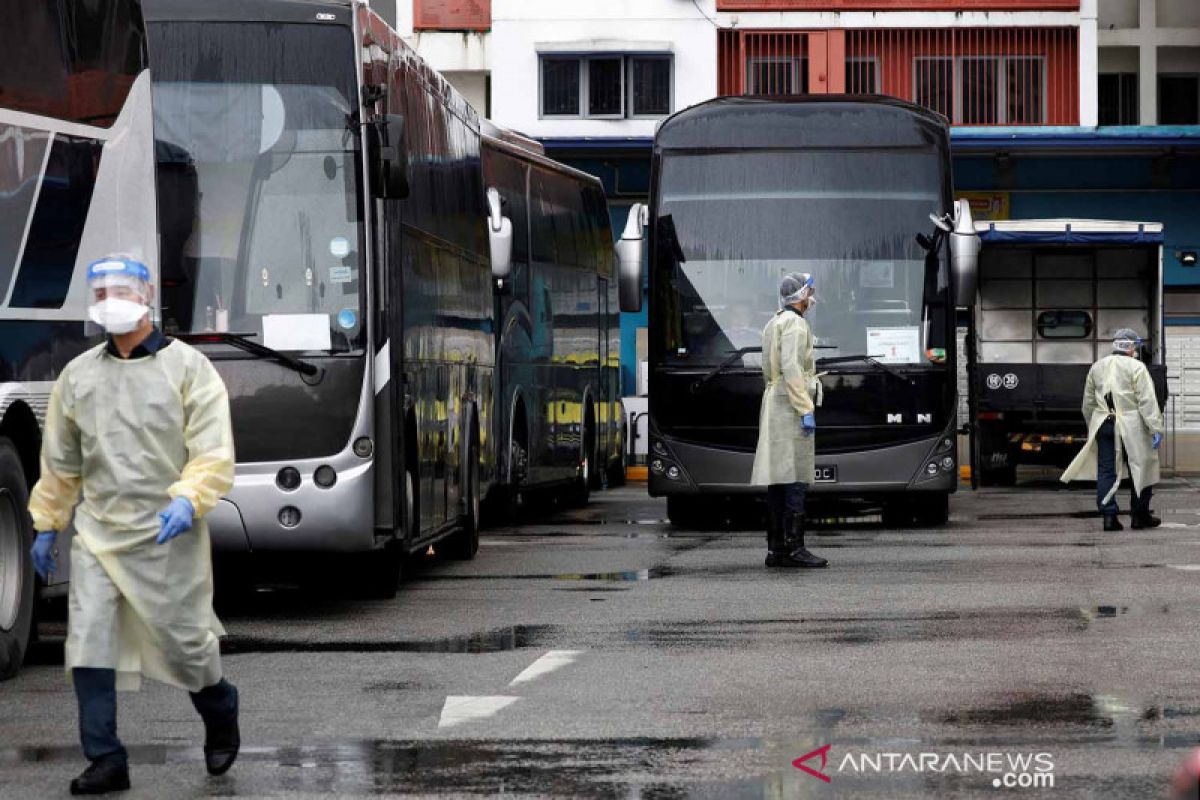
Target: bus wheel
{"type": "Point", "coordinates": [616, 471]}
{"type": "Point", "coordinates": [463, 544]}
{"type": "Point", "coordinates": [687, 511]}
{"type": "Point", "coordinates": [898, 513]}
{"type": "Point", "coordinates": [932, 510]}
{"type": "Point", "coordinates": [376, 575]}
{"type": "Point", "coordinates": [998, 476]}
{"type": "Point", "coordinates": [16, 564]}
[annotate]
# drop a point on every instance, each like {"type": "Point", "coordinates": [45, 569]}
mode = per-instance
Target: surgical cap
{"type": "Point", "coordinates": [795, 287]}
{"type": "Point", "coordinates": [1126, 340]}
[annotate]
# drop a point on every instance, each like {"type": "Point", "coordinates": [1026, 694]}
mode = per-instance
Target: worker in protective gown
{"type": "Point", "coordinates": [1125, 429]}
{"type": "Point", "coordinates": [140, 425]}
{"type": "Point", "coordinates": [784, 458]}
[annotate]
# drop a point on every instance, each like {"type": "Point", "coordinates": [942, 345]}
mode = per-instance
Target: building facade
{"type": "Point", "coordinates": [1060, 108]}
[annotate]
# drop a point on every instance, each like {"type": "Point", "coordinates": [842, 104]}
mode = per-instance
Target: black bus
{"type": "Point", "coordinates": [558, 409]}
{"type": "Point", "coordinates": [856, 192]}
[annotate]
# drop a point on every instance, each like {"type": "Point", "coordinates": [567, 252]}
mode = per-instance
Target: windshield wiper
{"type": "Point", "coordinates": [242, 342]}
{"type": "Point", "coordinates": [719, 368]}
{"type": "Point", "coordinates": [874, 362]}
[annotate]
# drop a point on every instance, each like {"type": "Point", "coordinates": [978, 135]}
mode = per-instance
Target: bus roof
{"type": "Point", "coordinates": [489, 139]}
{"type": "Point", "coordinates": [803, 121]}
{"type": "Point", "coordinates": [246, 10]}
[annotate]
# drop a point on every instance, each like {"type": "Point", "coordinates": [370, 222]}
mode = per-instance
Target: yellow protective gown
{"type": "Point", "coordinates": [1137, 418]}
{"type": "Point", "coordinates": [784, 454]}
{"type": "Point", "coordinates": [133, 435]}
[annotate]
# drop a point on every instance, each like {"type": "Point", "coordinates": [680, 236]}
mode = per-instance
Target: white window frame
{"type": "Point", "coordinates": [876, 74]}
{"type": "Point", "coordinates": [793, 61]}
{"type": "Point", "coordinates": [1001, 97]}
{"type": "Point", "coordinates": [630, 107]}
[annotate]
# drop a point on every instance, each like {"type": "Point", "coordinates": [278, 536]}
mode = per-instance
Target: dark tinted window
{"type": "Point", "coordinates": [1064, 324]}
{"type": "Point", "coordinates": [1119, 98]}
{"type": "Point", "coordinates": [650, 86]}
{"type": "Point", "coordinates": [605, 87]}
{"type": "Point", "coordinates": [542, 228]}
{"type": "Point", "coordinates": [85, 58]}
{"type": "Point", "coordinates": [560, 86]}
{"type": "Point", "coordinates": [934, 84]}
{"type": "Point", "coordinates": [1178, 99]}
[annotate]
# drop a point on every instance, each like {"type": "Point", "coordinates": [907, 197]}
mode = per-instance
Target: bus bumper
{"type": "Point", "coordinates": [337, 519]}
{"type": "Point", "coordinates": [883, 470]}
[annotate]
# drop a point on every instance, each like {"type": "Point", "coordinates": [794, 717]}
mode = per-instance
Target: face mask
{"type": "Point", "coordinates": [117, 316]}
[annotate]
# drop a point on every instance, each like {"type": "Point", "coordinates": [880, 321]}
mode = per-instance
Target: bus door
{"type": "Point", "coordinates": [76, 184]}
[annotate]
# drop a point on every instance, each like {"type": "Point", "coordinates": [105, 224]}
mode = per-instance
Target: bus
{"type": "Point", "coordinates": [558, 413]}
{"type": "Point", "coordinates": [76, 181]}
{"type": "Point", "coordinates": [856, 191]}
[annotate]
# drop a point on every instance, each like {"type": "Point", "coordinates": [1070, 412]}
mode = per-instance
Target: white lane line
{"type": "Point", "coordinates": [1185, 567]}
{"type": "Point", "coordinates": [468, 708]}
{"type": "Point", "coordinates": [554, 659]}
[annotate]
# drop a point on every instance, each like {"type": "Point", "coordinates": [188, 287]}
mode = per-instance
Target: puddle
{"type": "Point", "coordinates": [1072, 709]}
{"type": "Point", "coordinates": [628, 575]}
{"type": "Point", "coordinates": [493, 641]}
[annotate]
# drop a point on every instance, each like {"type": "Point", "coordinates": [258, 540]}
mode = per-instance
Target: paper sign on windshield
{"type": "Point", "coordinates": [296, 331]}
{"type": "Point", "coordinates": [895, 345]}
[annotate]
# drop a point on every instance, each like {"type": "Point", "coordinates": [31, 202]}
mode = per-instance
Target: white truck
{"type": "Point", "coordinates": [1052, 292]}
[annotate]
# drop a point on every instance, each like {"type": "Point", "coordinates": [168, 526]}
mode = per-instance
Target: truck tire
{"type": "Point", "coordinates": [16, 565]}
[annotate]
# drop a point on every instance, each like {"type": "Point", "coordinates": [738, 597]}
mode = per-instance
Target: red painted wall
{"type": "Point", "coordinates": [897, 5]}
{"type": "Point", "coordinates": [455, 15]}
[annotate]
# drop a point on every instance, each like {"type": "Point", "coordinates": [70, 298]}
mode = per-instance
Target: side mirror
{"type": "Point", "coordinates": [388, 157]}
{"type": "Point", "coordinates": [631, 256]}
{"type": "Point", "coordinates": [500, 236]}
{"type": "Point", "coordinates": [964, 256]}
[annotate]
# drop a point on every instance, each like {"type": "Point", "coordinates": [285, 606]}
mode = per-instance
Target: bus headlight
{"type": "Point", "coordinates": [288, 479]}
{"type": "Point", "coordinates": [363, 447]}
{"type": "Point", "coordinates": [659, 448]}
{"type": "Point", "coordinates": [947, 464]}
{"type": "Point", "coordinates": [931, 468]}
{"type": "Point", "coordinates": [325, 476]}
{"type": "Point", "coordinates": [289, 516]}
{"type": "Point", "coordinates": [657, 466]}
{"type": "Point", "coordinates": [946, 444]}
{"type": "Point", "coordinates": [673, 472]}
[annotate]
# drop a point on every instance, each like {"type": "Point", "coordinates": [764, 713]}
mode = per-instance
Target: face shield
{"type": "Point", "coordinates": [797, 288]}
{"type": "Point", "coordinates": [120, 287]}
{"type": "Point", "coordinates": [1128, 342]}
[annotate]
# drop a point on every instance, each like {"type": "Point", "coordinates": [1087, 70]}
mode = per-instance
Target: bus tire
{"type": "Point", "coordinates": [931, 510]}
{"type": "Point", "coordinates": [17, 582]}
{"type": "Point", "coordinates": [686, 511]}
{"type": "Point", "coordinates": [581, 488]}
{"type": "Point", "coordinates": [898, 513]}
{"type": "Point", "coordinates": [463, 544]}
{"type": "Point", "coordinates": [376, 576]}
{"type": "Point", "coordinates": [998, 476]}
{"type": "Point", "coordinates": [616, 471]}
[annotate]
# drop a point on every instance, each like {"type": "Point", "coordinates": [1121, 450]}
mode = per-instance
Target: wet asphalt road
{"type": "Point", "coordinates": [600, 652]}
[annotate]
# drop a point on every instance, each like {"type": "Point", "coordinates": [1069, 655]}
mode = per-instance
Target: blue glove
{"type": "Point", "coordinates": [176, 519]}
{"type": "Point", "coordinates": [1156, 440]}
{"type": "Point", "coordinates": [43, 554]}
{"type": "Point", "coordinates": [809, 422]}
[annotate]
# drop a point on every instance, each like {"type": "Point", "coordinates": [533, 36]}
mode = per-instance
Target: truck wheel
{"type": "Point", "coordinates": [16, 564]}
{"type": "Point", "coordinates": [998, 476]}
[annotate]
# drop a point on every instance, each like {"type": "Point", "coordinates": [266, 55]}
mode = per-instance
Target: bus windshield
{"type": "Point", "coordinates": [258, 183]}
{"type": "Point", "coordinates": [732, 223]}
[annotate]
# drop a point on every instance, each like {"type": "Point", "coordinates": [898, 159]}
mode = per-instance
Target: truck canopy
{"type": "Point", "coordinates": [1069, 231]}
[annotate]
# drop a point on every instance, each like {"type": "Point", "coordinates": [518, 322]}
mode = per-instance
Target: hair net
{"type": "Point", "coordinates": [1126, 340]}
{"type": "Point", "coordinates": [795, 287]}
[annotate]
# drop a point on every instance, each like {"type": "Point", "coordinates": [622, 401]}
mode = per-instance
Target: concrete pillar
{"type": "Point", "coordinates": [1147, 62]}
{"type": "Point", "coordinates": [1089, 81]}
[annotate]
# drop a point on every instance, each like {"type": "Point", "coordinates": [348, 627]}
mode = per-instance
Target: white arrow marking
{"type": "Point", "coordinates": [467, 708]}
{"type": "Point", "coordinates": [554, 659]}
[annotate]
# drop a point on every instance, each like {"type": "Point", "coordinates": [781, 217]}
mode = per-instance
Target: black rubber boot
{"type": "Point", "coordinates": [1143, 519]}
{"type": "Point", "coordinates": [101, 777]}
{"type": "Point", "coordinates": [795, 554]}
{"type": "Point", "coordinates": [776, 542]}
{"type": "Point", "coordinates": [222, 740]}
{"type": "Point", "coordinates": [1111, 523]}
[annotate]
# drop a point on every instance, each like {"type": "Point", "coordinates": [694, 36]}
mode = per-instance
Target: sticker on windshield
{"type": "Point", "coordinates": [347, 318]}
{"type": "Point", "coordinates": [341, 274]}
{"type": "Point", "coordinates": [894, 345]}
{"type": "Point", "coordinates": [339, 247]}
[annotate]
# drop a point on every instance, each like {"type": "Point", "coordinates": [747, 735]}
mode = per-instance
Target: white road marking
{"type": "Point", "coordinates": [1186, 567]}
{"type": "Point", "coordinates": [467, 708]}
{"type": "Point", "coordinates": [554, 659]}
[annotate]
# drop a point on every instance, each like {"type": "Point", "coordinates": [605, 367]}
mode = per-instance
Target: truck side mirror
{"type": "Point", "coordinates": [500, 236]}
{"type": "Point", "coordinates": [631, 255]}
{"type": "Point", "coordinates": [964, 255]}
{"type": "Point", "coordinates": [388, 157]}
